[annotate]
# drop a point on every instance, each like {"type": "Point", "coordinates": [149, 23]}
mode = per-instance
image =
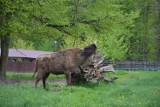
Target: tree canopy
{"type": "Point", "coordinates": [124, 29]}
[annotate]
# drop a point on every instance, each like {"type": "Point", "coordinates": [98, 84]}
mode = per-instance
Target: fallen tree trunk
{"type": "Point", "coordinates": [94, 70]}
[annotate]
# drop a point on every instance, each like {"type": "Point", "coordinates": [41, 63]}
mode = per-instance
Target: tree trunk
{"type": "Point", "coordinates": [4, 56]}
{"type": "Point", "coordinates": [158, 28]}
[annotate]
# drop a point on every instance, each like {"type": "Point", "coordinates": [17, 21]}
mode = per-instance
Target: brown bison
{"type": "Point", "coordinates": [66, 62]}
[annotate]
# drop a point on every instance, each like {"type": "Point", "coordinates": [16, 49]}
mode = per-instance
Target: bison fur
{"type": "Point", "coordinates": [66, 62]}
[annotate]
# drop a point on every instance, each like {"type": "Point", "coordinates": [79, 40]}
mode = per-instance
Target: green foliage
{"type": "Point", "coordinates": [144, 43]}
{"type": "Point", "coordinates": [113, 48]}
{"type": "Point", "coordinates": [104, 21]}
{"type": "Point", "coordinates": [123, 29]}
{"type": "Point", "coordinates": [132, 89]}
{"type": "Point", "coordinates": [20, 43]}
{"type": "Point", "coordinates": [47, 45]}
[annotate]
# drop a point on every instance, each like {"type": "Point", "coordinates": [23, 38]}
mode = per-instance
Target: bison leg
{"type": "Point", "coordinates": [68, 77]}
{"type": "Point", "coordinates": [37, 80]}
{"type": "Point", "coordinates": [44, 80]}
{"type": "Point", "coordinates": [73, 70]}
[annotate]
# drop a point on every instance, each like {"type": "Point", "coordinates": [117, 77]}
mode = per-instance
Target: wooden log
{"type": "Point", "coordinates": [93, 70]}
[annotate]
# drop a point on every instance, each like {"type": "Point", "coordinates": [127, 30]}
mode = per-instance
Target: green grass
{"type": "Point", "coordinates": [132, 89]}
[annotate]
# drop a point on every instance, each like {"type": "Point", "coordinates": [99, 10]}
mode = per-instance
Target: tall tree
{"type": "Point", "coordinates": [4, 56]}
{"type": "Point", "coordinates": [158, 30]}
{"type": "Point", "coordinates": [143, 42]}
{"type": "Point", "coordinates": [85, 21]}
{"type": "Point", "coordinates": [13, 17]}
{"type": "Point", "coordinates": [4, 19]}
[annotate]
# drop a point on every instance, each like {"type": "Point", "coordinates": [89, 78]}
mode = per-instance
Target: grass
{"type": "Point", "coordinates": [132, 89]}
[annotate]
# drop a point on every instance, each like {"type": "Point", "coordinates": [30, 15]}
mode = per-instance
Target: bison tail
{"type": "Point", "coordinates": [36, 68]}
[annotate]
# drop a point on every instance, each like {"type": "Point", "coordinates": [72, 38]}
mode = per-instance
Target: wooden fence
{"type": "Point", "coordinates": [20, 66]}
{"type": "Point", "coordinates": [138, 65]}
{"type": "Point", "coordinates": [119, 65]}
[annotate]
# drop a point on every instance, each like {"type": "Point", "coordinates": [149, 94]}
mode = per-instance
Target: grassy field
{"type": "Point", "coordinates": [132, 89]}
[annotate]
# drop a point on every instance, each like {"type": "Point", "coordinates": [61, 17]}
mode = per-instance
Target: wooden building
{"type": "Point", "coordinates": [21, 60]}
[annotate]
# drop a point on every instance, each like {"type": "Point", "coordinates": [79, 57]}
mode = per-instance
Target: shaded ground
{"type": "Point", "coordinates": [19, 81]}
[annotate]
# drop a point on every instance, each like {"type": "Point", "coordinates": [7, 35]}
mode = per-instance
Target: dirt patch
{"type": "Point", "coordinates": [60, 82]}
{"type": "Point", "coordinates": [17, 82]}
{"type": "Point", "coordinates": [55, 90]}
{"type": "Point", "coordinates": [6, 81]}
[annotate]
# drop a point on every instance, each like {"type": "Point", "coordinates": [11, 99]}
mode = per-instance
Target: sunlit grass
{"type": "Point", "coordinates": [132, 89]}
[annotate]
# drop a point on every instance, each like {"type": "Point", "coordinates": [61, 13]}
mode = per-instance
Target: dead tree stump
{"type": "Point", "coordinates": [93, 70]}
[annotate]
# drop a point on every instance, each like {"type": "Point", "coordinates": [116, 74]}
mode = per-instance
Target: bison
{"type": "Point", "coordinates": [66, 62]}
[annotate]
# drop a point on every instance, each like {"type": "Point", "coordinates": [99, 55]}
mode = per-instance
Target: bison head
{"type": "Point", "coordinates": [90, 50]}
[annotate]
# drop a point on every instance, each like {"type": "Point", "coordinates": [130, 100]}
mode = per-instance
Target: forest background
{"type": "Point", "coordinates": [124, 29]}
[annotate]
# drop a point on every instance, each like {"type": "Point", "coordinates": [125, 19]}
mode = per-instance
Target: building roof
{"type": "Point", "coordinates": [22, 53]}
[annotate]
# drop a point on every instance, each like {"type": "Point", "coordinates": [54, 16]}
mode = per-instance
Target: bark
{"type": "Point", "coordinates": [4, 56]}
{"type": "Point", "coordinates": [158, 29]}
{"type": "Point", "coordinates": [4, 20]}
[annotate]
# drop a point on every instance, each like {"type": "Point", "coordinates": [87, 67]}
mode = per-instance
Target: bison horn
{"type": "Point", "coordinates": [95, 42]}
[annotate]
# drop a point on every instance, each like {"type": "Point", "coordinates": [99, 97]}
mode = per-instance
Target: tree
{"type": "Point", "coordinates": [18, 21]}
{"type": "Point", "coordinates": [4, 39]}
{"type": "Point", "coordinates": [144, 42]}
{"type": "Point", "coordinates": [158, 30]}
{"type": "Point", "coordinates": [13, 17]}
{"type": "Point", "coordinates": [4, 56]}
{"type": "Point", "coordinates": [85, 21]}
